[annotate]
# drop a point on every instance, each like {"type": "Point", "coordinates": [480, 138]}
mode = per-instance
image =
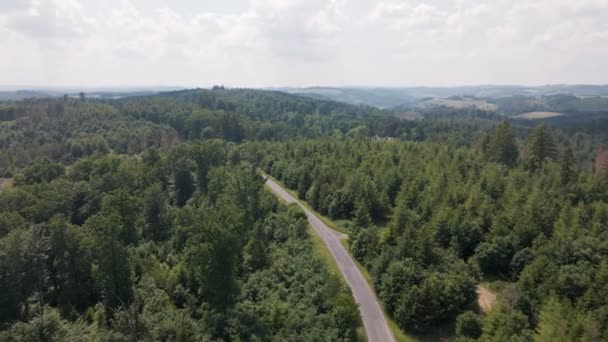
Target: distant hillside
{"type": "Point", "coordinates": [387, 97]}
{"type": "Point", "coordinates": [13, 94]}
{"type": "Point", "coordinates": [377, 97]}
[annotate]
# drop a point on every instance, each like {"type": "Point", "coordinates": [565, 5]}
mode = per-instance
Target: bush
{"type": "Point", "coordinates": [468, 324]}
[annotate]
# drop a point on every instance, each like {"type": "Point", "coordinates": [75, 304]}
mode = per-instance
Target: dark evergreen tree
{"type": "Point", "coordinates": [157, 223]}
{"type": "Point", "coordinates": [502, 147]}
{"type": "Point", "coordinates": [541, 146]}
{"type": "Point", "coordinates": [184, 185]}
{"type": "Point", "coordinates": [567, 166]}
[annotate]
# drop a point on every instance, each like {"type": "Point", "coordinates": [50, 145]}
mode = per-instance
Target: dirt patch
{"type": "Point", "coordinates": [486, 298]}
{"type": "Point", "coordinates": [5, 182]}
{"type": "Point", "coordinates": [538, 115]}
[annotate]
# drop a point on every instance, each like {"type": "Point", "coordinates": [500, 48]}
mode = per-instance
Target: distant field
{"type": "Point", "coordinates": [459, 104]}
{"type": "Point", "coordinates": [538, 115]}
{"type": "Point", "coordinates": [410, 115]}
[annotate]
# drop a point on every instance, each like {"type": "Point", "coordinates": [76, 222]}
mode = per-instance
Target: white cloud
{"type": "Point", "coordinates": [55, 19]}
{"type": "Point", "coordinates": [298, 42]}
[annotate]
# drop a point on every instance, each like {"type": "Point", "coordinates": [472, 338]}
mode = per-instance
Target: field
{"type": "Point", "coordinates": [458, 104]}
{"type": "Point", "coordinates": [538, 115]}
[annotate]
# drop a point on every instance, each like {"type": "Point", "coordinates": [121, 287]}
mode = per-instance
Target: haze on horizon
{"type": "Point", "coordinates": [258, 43]}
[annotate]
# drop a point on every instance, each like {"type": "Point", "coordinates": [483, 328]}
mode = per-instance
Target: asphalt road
{"type": "Point", "coordinates": [374, 322]}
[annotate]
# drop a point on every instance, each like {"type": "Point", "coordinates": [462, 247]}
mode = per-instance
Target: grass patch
{"type": "Point", "coordinates": [361, 337]}
{"type": "Point", "coordinates": [329, 222]}
{"type": "Point", "coordinates": [322, 251]}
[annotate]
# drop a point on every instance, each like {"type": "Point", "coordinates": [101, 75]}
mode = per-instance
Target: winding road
{"type": "Point", "coordinates": [374, 322]}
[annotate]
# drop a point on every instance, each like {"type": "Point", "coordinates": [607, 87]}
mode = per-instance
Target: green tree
{"type": "Point", "coordinates": [505, 324]}
{"type": "Point", "coordinates": [346, 316]}
{"type": "Point", "coordinates": [157, 222]}
{"type": "Point", "coordinates": [304, 184]}
{"type": "Point", "coordinates": [494, 256]}
{"type": "Point", "coordinates": [541, 145]}
{"type": "Point", "coordinates": [362, 217]}
{"type": "Point", "coordinates": [23, 272]}
{"type": "Point", "coordinates": [126, 207]}
{"type": "Point", "coordinates": [567, 166]}
{"type": "Point", "coordinates": [212, 256]}
{"type": "Point", "coordinates": [257, 249]}
{"type": "Point", "coordinates": [469, 325]}
{"type": "Point", "coordinates": [184, 185]}
{"type": "Point", "coordinates": [502, 147]}
{"type": "Point", "coordinates": [112, 265]}
{"type": "Point", "coordinates": [364, 242]}
{"type": "Point", "coordinates": [71, 266]}
{"type": "Point", "coordinates": [207, 154]}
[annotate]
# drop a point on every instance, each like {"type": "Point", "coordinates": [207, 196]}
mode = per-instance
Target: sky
{"type": "Point", "coordinates": [264, 43]}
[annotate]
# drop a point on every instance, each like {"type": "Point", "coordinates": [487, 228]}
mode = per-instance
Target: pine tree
{"type": "Point", "coordinates": [313, 194]}
{"type": "Point", "coordinates": [568, 163]}
{"type": "Point", "coordinates": [303, 184]}
{"type": "Point", "coordinates": [362, 217]}
{"type": "Point", "coordinates": [257, 249]}
{"type": "Point", "coordinates": [502, 147]}
{"type": "Point", "coordinates": [541, 146]}
{"type": "Point", "coordinates": [184, 186]}
{"type": "Point", "coordinates": [157, 222]}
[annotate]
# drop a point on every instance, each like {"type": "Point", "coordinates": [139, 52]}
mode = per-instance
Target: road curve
{"type": "Point", "coordinates": [374, 322]}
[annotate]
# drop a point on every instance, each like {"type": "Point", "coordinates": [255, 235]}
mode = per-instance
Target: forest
{"type": "Point", "coordinates": [176, 245]}
{"type": "Point", "coordinates": [430, 221]}
{"type": "Point", "coordinates": [145, 218]}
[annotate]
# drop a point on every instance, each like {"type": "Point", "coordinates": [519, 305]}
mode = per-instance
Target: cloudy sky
{"type": "Point", "coordinates": [302, 42]}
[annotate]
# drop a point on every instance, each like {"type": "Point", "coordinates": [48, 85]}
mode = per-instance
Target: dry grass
{"type": "Point", "coordinates": [5, 183]}
{"type": "Point", "coordinates": [486, 298]}
{"type": "Point", "coordinates": [538, 115]}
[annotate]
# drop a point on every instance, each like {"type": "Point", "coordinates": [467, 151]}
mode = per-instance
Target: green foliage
{"type": "Point", "coordinates": [184, 185]}
{"type": "Point", "coordinates": [541, 146]}
{"type": "Point", "coordinates": [568, 166]}
{"type": "Point", "coordinates": [469, 325]}
{"type": "Point", "coordinates": [111, 267]}
{"type": "Point", "coordinates": [70, 273]}
{"type": "Point", "coordinates": [157, 220]}
{"type": "Point", "coordinates": [115, 260]}
{"type": "Point", "coordinates": [41, 170]}
{"type": "Point", "coordinates": [455, 215]}
{"type": "Point", "coordinates": [22, 270]}
{"type": "Point", "coordinates": [505, 324]}
{"type": "Point", "coordinates": [123, 224]}
{"type": "Point", "coordinates": [47, 326]}
{"type": "Point", "coordinates": [501, 146]}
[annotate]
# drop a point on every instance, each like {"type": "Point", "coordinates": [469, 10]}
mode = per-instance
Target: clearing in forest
{"type": "Point", "coordinates": [486, 298]}
{"type": "Point", "coordinates": [5, 182]}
